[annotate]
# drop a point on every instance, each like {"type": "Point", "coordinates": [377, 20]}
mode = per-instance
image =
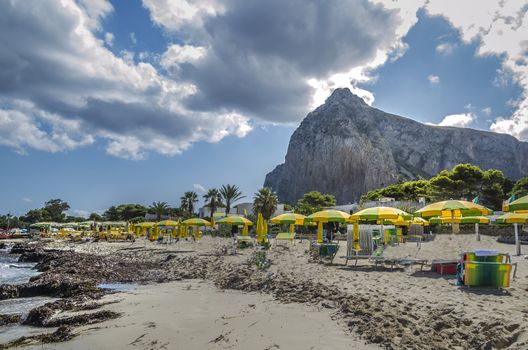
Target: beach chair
{"type": "Point", "coordinates": [486, 268]}
{"type": "Point", "coordinates": [285, 236]}
{"type": "Point", "coordinates": [244, 241]}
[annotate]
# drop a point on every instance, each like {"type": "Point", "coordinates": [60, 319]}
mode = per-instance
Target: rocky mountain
{"type": "Point", "coordinates": [346, 147]}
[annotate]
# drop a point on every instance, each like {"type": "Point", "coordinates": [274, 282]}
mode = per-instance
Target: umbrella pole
{"type": "Point", "coordinates": [477, 232]}
{"type": "Point", "coordinates": [452, 222]}
{"type": "Point", "coordinates": [517, 241]}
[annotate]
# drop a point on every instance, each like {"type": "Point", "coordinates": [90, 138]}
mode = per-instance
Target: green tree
{"type": "Point", "coordinates": [129, 211]}
{"type": "Point", "coordinates": [230, 194]}
{"type": "Point", "coordinates": [188, 200]}
{"type": "Point", "coordinates": [265, 202]}
{"type": "Point", "coordinates": [95, 217]}
{"type": "Point", "coordinates": [111, 214]}
{"type": "Point", "coordinates": [314, 201]}
{"type": "Point", "coordinates": [520, 189]}
{"type": "Point", "coordinates": [56, 209]}
{"type": "Point", "coordinates": [492, 189]}
{"type": "Point", "coordinates": [159, 208]}
{"type": "Point", "coordinates": [213, 200]}
{"type": "Point", "coordinates": [36, 215]}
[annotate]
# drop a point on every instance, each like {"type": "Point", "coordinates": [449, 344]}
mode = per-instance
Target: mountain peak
{"type": "Point", "coordinates": [345, 95]}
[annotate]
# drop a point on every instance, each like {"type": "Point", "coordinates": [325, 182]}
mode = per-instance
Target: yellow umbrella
{"type": "Point", "coordinates": [379, 213]}
{"type": "Point", "coordinates": [320, 232]}
{"type": "Point", "coordinates": [329, 216]}
{"type": "Point", "coordinates": [261, 229]}
{"type": "Point", "coordinates": [235, 220]}
{"type": "Point", "coordinates": [453, 208]}
{"type": "Point", "coordinates": [196, 223]}
{"type": "Point", "coordinates": [288, 218]}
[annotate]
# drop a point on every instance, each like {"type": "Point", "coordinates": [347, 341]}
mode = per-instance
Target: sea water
{"type": "Point", "coordinates": [14, 272]}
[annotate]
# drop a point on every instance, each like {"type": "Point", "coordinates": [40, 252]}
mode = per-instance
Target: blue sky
{"type": "Point", "coordinates": [161, 102]}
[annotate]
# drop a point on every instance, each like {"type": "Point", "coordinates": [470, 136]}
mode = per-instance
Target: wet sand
{"type": "Point", "coordinates": [196, 315]}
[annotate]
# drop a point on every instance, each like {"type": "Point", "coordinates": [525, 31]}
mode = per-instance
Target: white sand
{"type": "Point", "coordinates": [196, 315]}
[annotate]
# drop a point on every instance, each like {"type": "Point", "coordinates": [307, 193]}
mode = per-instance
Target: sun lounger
{"type": "Point", "coordinates": [355, 254]}
{"type": "Point", "coordinates": [246, 239]}
{"type": "Point", "coordinates": [285, 236]}
{"type": "Point", "coordinates": [412, 261]}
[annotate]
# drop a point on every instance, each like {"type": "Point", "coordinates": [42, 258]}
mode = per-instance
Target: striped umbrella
{"type": "Point", "coordinates": [235, 220]}
{"type": "Point", "coordinates": [515, 219]}
{"type": "Point", "coordinates": [460, 220]}
{"type": "Point", "coordinates": [453, 208]}
{"type": "Point", "coordinates": [400, 221]}
{"type": "Point", "coordinates": [518, 204]}
{"type": "Point", "coordinates": [196, 222]}
{"type": "Point", "coordinates": [171, 223]}
{"type": "Point", "coordinates": [379, 213]}
{"type": "Point", "coordinates": [329, 216]}
{"type": "Point", "coordinates": [289, 218]}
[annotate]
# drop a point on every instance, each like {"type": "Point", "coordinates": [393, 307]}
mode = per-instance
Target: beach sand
{"type": "Point", "coordinates": [196, 315]}
{"type": "Point", "coordinates": [318, 305]}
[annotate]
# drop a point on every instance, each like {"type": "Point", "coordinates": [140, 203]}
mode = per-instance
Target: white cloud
{"type": "Point", "coordinates": [172, 15]}
{"type": "Point", "coordinates": [178, 54]}
{"type": "Point", "coordinates": [486, 110]}
{"type": "Point", "coordinates": [27, 200]}
{"type": "Point", "coordinates": [97, 94]}
{"type": "Point", "coordinates": [433, 79]}
{"type": "Point", "coordinates": [199, 187]}
{"type": "Point", "coordinates": [458, 120]}
{"type": "Point", "coordinates": [445, 48]}
{"type": "Point", "coordinates": [109, 39]}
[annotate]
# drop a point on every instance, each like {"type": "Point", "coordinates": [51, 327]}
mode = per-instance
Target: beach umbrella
{"type": "Point", "coordinates": [324, 216]}
{"type": "Point", "coordinates": [401, 221]}
{"type": "Point", "coordinates": [196, 223]}
{"type": "Point", "coordinates": [515, 219]}
{"type": "Point", "coordinates": [452, 208]}
{"type": "Point", "coordinates": [380, 213]}
{"type": "Point", "coordinates": [329, 216]}
{"type": "Point", "coordinates": [288, 218]}
{"type": "Point", "coordinates": [168, 223]}
{"type": "Point", "coordinates": [235, 220]}
{"type": "Point", "coordinates": [261, 229]}
{"type": "Point", "coordinates": [518, 204]}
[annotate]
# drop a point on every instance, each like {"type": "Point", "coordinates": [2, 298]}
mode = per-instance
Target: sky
{"type": "Point", "coordinates": [107, 102]}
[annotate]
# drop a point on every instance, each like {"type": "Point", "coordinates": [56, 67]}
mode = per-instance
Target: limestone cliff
{"type": "Point", "coordinates": [346, 148]}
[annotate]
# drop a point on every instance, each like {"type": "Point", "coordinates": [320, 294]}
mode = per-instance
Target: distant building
{"type": "Point", "coordinates": [154, 217]}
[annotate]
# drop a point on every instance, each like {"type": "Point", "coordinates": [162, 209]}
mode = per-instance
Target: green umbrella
{"type": "Point", "coordinates": [329, 216]}
{"type": "Point", "coordinates": [235, 220]}
{"type": "Point", "coordinates": [518, 204]}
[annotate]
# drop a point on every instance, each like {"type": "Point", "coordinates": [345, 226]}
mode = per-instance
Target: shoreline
{"type": "Point", "coordinates": [392, 309]}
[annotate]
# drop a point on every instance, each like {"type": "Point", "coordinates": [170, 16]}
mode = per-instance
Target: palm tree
{"type": "Point", "coordinates": [213, 200]}
{"type": "Point", "coordinates": [159, 208]}
{"type": "Point", "coordinates": [230, 194]}
{"type": "Point", "coordinates": [188, 200]}
{"type": "Point", "coordinates": [265, 202]}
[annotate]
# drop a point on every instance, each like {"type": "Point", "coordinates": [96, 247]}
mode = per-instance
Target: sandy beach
{"type": "Point", "coordinates": [211, 299]}
{"type": "Point", "coordinates": [196, 315]}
